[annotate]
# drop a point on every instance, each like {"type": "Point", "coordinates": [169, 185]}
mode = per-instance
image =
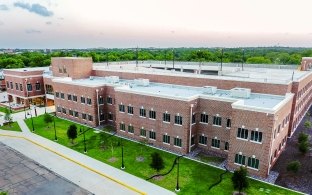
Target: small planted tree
{"type": "Point", "coordinates": [7, 116]}
{"type": "Point", "coordinates": [293, 166]}
{"type": "Point", "coordinates": [157, 162]}
{"type": "Point", "coordinates": [240, 180]}
{"type": "Point", "coordinates": [47, 119]}
{"type": "Point", "coordinates": [72, 132]}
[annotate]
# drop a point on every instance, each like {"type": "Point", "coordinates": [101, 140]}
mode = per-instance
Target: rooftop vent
{"type": "Point", "coordinates": [240, 92]}
{"type": "Point", "coordinates": [91, 77]}
{"type": "Point", "coordinates": [142, 82]}
{"type": "Point", "coordinates": [209, 89]}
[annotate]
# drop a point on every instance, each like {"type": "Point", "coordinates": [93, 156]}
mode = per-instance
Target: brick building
{"type": "Point", "coordinates": [245, 119]}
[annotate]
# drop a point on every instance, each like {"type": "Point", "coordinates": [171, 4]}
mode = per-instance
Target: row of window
{"type": "Point", "coordinates": [255, 136]}
{"type": "Point", "coordinates": [75, 113]}
{"type": "Point", "coordinates": [214, 142]}
{"type": "Point", "coordinates": [19, 86]}
{"type": "Point", "coordinates": [83, 99]}
{"type": "Point", "coordinates": [251, 161]}
{"type": "Point", "coordinates": [216, 120]}
{"type": "Point", "coordinates": [282, 125]}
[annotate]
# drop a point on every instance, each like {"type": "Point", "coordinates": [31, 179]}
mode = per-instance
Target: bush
{"type": "Point", "coordinates": [304, 147]}
{"type": "Point", "coordinates": [294, 166]}
{"type": "Point", "coordinates": [303, 137]}
{"type": "Point", "coordinates": [72, 132]}
{"type": "Point", "coordinates": [240, 180]}
{"type": "Point", "coordinates": [157, 162]}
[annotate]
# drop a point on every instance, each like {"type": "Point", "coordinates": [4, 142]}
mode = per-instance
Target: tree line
{"type": "Point", "coordinates": [267, 55]}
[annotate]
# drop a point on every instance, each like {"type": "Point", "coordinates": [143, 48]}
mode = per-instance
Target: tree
{"type": "Point", "coordinates": [72, 132]}
{"type": "Point", "coordinates": [7, 116]}
{"type": "Point", "coordinates": [157, 162]}
{"type": "Point", "coordinates": [47, 119]}
{"type": "Point", "coordinates": [294, 166]}
{"type": "Point", "coordinates": [240, 180]}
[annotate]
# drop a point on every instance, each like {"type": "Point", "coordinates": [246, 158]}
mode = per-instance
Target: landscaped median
{"type": "Point", "coordinates": [12, 126]}
{"type": "Point", "coordinates": [195, 177]}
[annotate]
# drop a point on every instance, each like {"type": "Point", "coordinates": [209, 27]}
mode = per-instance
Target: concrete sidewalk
{"type": "Point", "coordinates": [91, 174]}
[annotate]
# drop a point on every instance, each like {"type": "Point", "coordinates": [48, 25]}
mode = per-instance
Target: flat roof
{"type": "Point", "coordinates": [45, 69]}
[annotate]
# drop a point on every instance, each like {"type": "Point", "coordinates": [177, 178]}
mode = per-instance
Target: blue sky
{"type": "Point", "coordinates": [154, 23]}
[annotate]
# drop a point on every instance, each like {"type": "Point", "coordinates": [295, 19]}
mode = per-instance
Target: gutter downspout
{"type": "Point", "coordinates": [98, 105]}
{"type": "Point", "coordinates": [191, 116]}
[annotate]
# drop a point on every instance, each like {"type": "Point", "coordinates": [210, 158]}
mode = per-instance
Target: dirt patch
{"type": "Point", "coordinates": [140, 158]}
{"type": "Point", "coordinates": [158, 178]}
{"type": "Point", "coordinates": [113, 159]}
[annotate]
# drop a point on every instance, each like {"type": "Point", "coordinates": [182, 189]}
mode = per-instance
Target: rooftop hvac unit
{"type": "Point", "coordinates": [91, 77]}
{"type": "Point", "coordinates": [209, 89]}
{"type": "Point", "coordinates": [112, 79]}
{"type": "Point", "coordinates": [142, 82]}
{"type": "Point", "coordinates": [240, 92]}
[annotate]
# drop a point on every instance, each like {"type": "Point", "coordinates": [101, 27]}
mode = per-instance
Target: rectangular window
{"type": "Point", "coordinates": [256, 136]}
{"type": "Point", "coordinates": [76, 114]}
{"type": "Point", "coordinates": [8, 85]}
{"type": "Point", "coordinates": [16, 86]}
{"type": "Point", "coordinates": [253, 162]}
{"type": "Point", "coordinates": [142, 112]}
{"type": "Point", "coordinates": [193, 119]}
{"type": "Point", "coordinates": [192, 141]}
{"type": "Point", "coordinates": [122, 127]}
{"type": "Point", "coordinates": [21, 87]}
{"type": "Point", "coordinates": [166, 117]}
{"type": "Point", "coordinates": [166, 139]}
{"type": "Point", "coordinates": [64, 110]}
{"type": "Point", "coordinates": [71, 113]}
{"type": "Point", "coordinates": [101, 100]}
{"type": "Point", "coordinates": [29, 87]}
{"type": "Point", "coordinates": [204, 118]}
{"type": "Point", "coordinates": [90, 117]}
{"type": "Point", "coordinates": [102, 117]}
{"type": "Point", "coordinates": [142, 132]}
{"type": "Point", "coordinates": [152, 114]}
{"type": "Point", "coordinates": [130, 129]}
{"type": "Point", "coordinates": [215, 143]}
{"type": "Point", "coordinates": [83, 100]}
{"type": "Point", "coordinates": [109, 100]}
{"type": "Point", "coordinates": [11, 85]}
{"type": "Point", "coordinates": [121, 108]}
{"type": "Point", "coordinates": [242, 133]}
{"type": "Point", "coordinates": [69, 96]}
{"type": "Point", "coordinates": [177, 142]}
{"type": "Point", "coordinates": [228, 123]}
{"type": "Point", "coordinates": [130, 110]}
{"type": "Point", "coordinates": [62, 96]}
{"type": "Point", "coordinates": [240, 159]}
{"type": "Point", "coordinates": [64, 70]}
{"type": "Point", "coordinates": [84, 116]}
{"type": "Point", "coordinates": [60, 70]}
{"type": "Point", "coordinates": [57, 94]}
{"type": "Point", "coordinates": [217, 120]}
{"type": "Point", "coordinates": [279, 128]}
{"type": "Point", "coordinates": [152, 135]}
{"type": "Point", "coordinates": [203, 140]}
{"type": "Point", "coordinates": [74, 98]}
{"type": "Point", "coordinates": [59, 109]}
{"type": "Point", "coordinates": [178, 120]}
{"type": "Point", "coordinates": [49, 89]}
{"type": "Point", "coordinates": [226, 146]}
{"type": "Point", "coordinates": [89, 102]}
{"type": "Point", "coordinates": [110, 116]}
{"type": "Point", "coordinates": [38, 86]}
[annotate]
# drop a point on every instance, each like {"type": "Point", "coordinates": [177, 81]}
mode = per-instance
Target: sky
{"type": "Point", "coordinates": [155, 23]}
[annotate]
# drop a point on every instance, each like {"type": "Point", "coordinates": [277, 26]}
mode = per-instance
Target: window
{"type": "Point", "coordinates": [152, 135]}
{"type": "Point", "coordinates": [253, 163]}
{"type": "Point", "coordinates": [69, 96]}
{"type": "Point", "coordinates": [178, 120]}
{"type": "Point", "coordinates": [130, 129]}
{"type": "Point", "coordinates": [228, 123]}
{"type": "Point", "coordinates": [89, 102]}
{"type": "Point", "coordinates": [142, 112]}
{"type": "Point", "coordinates": [76, 114]}
{"type": "Point", "coordinates": [60, 70]}
{"type": "Point", "coordinates": [11, 85]}
{"type": "Point", "coordinates": [57, 94]}
{"type": "Point", "coordinates": [130, 110]}
{"type": "Point", "coordinates": [142, 132]}
{"type": "Point", "coordinates": [192, 140]}
{"type": "Point", "coordinates": [21, 87]}
{"type": "Point", "coordinates": [109, 100]}
{"type": "Point", "coordinates": [64, 70]}
{"type": "Point", "coordinates": [121, 108]}
{"type": "Point", "coordinates": [242, 133]}
{"type": "Point", "coordinates": [203, 140]}
{"type": "Point", "coordinates": [83, 100]}
{"type": "Point", "coordinates": [166, 139]}
{"type": "Point", "coordinates": [16, 86]}
{"type": "Point", "coordinates": [122, 126]}
{"type": "Point", "coordinates": [49, 89]}
{"type": "Point", "coordinates": [152, 114]}
{"type": "Point", "coordinates": [8, 85]}
{"type": "Point", "coordinates": [193, 119]}
{"type": "Point", "coordinates": [204, 118]}
{"type": "Point", "coordinates": [84, 116]}
{"type": "Point", "coordinates": [90, 117]}
{"type": "Point", "coordinates": [29, 87]}
{"type": "Point", "coordinates": [75, 98]}
{"type": "Point", "coordinates": [215, 143]}
{"type": "Point", "coordinates": [279, 128]}
{"type": "Point", "coordinates": [274, 134]}
{"type": "Point", "coordinates": [64, 110]}
{"type": "Point", "coordinates": [59, 109]}
{"type": "Point", "coordinates": [101, 117]}
{"type": "Point", "coordinates": [101, 100]}
{"type": "Point", "coordinates": [226, 146]}
{"type": "Point", "coordinates": [166, 117]}
{"type": "Point", "coordinates": [217, 120]}
{"type": "Point", "coordinates": [62, 95]}
{"type": "Point", "coordinates": [256, 136]}
{"type": "Point", "coordinates": [38, 86]}
{"type": "Point", "coordinates": [110, 116]}
{"type": "Point", "coordinates": [177, 142]}
{"type": "Point", "coordinates": [71, 113]}
{"type": "Point", "coordinates": [240, 159]}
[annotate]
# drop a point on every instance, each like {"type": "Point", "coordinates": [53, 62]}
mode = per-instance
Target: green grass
{"type": "Point", "coordinates": [11, 127]}
{"type": "Point", "coordinates": [210, 159]}
{"type": "Point", "coordinates": [195, 178]}
{"type": "Point", "coordinates": [2, 109]}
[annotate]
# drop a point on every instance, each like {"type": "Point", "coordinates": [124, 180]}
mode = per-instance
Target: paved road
{"type": "Point", "coordinates": [21, 175]}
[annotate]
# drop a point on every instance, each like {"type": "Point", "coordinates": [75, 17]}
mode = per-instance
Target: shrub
{"type": "Point", "coordinates": [304, 147]}
{"type": "Point", "coordinates": [157, 162]}
{"type": "Point", "coordinates": [294, 166]}
{"type": "Point", "coordinates": [240, 180]}
{"type": "Point", "coordinates": [303, 137]}
{"type": "Point", "coordinates": [72, 132]}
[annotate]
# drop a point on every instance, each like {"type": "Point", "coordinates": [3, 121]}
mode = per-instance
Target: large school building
{"type": "Point", "coordinates": [244, 113]}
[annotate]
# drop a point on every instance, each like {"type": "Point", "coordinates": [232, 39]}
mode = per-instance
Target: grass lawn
{"type": "Point", "coordinates": [2, 109]}
{"type": "Point", "coordinates": [195, 178]}
{"type": "Point", "coordinates": [11, 127]}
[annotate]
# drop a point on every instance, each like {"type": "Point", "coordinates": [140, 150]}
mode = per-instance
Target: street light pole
{"type": "Point", "coordinates": [32, 122]}
{"type": "Point", "coordinates": [25, 112]}
{"type": "Point", "coordinates": [243, 59]}
{"type": "Point", "coordinates": [177, 187]}
{"type": "Point", "coordinates": [84, 141]}
{"type": "Point", "coordinates": [55, 137]}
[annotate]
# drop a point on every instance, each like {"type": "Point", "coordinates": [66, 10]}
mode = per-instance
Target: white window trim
{"type": "Point", "coordinates": [215, 147]}
{"type": "Point", "coordinates": [216, 125]}
{"type": "Point", "coordinates": [242, 139]}
{"type": "Point", "coordinates": [256, 142]}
